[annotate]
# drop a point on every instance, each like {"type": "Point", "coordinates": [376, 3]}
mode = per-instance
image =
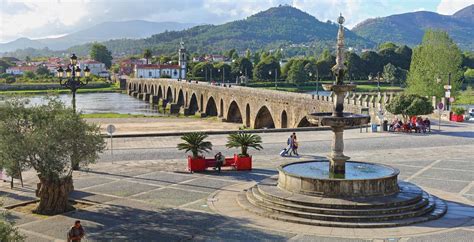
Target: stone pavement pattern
{"type": "Point", "coordinates": [140, 198]}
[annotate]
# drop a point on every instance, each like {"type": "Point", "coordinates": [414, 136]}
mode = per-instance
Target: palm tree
{"type": "Point", "coordinates": [195, 143]}
{"type": "Point", "coordinates": [147, 55]}
{"type": "Point", "coordinates": [244, 141]}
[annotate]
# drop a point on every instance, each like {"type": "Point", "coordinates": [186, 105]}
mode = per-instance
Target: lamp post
{"type": "Point", "coordinates": [73, 80]}
{"type": "Point", "coordinates": [276, 77]}
{"type": "Point", "coordinates": [378, 83]}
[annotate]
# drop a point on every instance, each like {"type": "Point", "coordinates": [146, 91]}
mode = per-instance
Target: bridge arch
{"type": "Point", "coordinates": [180, 100]}
{"type": "Point", "coordinates": [145, 88]}
{"type": "Point", "coordinates": [211, 107]}
{"type": "Point", "coordinates": [247, 116]}
{"type": "Point", "coordinates": [264, 119]}
{"type": "Point", "coordinates": [193, 105]}
{"type": "Point", "coordinates": [304, 123]}
{"type": "Point", "coordinates": [284, 119]}
{"type": "Point", "coordinates": [160, 92]}
{"type": "Point", "coordinates": [152, 91]}
{"type": "Point", "coordinates": [169, 95]}
{"type": "Point", "coordinates": [233, 114]}
{"type": "Point", "coordinates": [139, 88]}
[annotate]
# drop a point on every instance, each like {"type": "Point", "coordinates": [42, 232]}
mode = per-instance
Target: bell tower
{"type": "Point", "coordinates": [182, 60]}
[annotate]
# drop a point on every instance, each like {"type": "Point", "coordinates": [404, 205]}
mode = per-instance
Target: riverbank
{"type": "Point", "coordinates": [144, 125]}
{"type": "Point", "coordinates": [54, 88]}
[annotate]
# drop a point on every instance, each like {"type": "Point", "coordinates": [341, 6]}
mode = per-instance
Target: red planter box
{"type": "Point", "coordinates": [243, 163]}
{"type": "Point", "coordinates": [457, 118]}
{"type": "Point", "coordinates": [198, 164]}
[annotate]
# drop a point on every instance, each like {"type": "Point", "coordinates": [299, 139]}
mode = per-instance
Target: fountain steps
{"type": "Point", "coordinates": [435, 209]}
{"type": "Point", "coordinates": [269, 201]}
{"type": "Point", "coordinates": [409, 194]}
{"type": "Point", "coordinates": [367, 217]}
{"type": "Point", "coordinates": [411, 205]}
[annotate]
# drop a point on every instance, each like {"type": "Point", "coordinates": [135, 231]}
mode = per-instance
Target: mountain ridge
{"type": "Point", "coordinates": [408, 28]}
{"type": "Point", "coordinates": [131, 29]}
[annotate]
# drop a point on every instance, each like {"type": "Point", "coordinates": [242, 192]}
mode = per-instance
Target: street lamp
{"type": "Point", "coordinates": [73, 80]}
{"type": "Point", "coordinates": [276, 77]}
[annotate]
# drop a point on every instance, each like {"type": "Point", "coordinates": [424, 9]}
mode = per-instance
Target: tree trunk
{"type": "Point", "coordinates": [54, 196]}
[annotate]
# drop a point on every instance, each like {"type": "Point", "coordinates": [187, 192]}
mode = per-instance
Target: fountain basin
{"type": "Point", "coordinates": [348, 119]}
{"type": "Point", "coordinates": [361, 179]}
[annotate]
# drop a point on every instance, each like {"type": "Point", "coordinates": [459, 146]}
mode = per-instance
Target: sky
{"type": "Point", "coordinates": [54, 18]}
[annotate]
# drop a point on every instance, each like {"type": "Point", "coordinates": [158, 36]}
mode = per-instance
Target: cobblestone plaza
{"type": "Point", "coordinates": [143, 193]}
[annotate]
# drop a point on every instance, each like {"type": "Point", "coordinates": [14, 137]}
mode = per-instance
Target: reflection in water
{"type": "Point", "coordinates": [103, 103]}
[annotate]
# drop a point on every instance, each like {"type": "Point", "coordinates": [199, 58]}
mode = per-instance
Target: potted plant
{"type": "Point", "coordinates": [195, 143]}
{"type": "Point", "coordinates": [458, 114]}
{"type": "Point", "coordinates": [244, 141]}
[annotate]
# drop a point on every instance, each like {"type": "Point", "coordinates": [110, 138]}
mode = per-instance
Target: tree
{"type": "Point", "coordinates": [100, 53]}
{"type": "Point", "coordinates": [387, 45]}
{"type": "Point", "coordinates": [195, 143]}
{"type": "Point", "coordinates": [244, 141]}
{"type": "Point", "coordinates": [297, 73]}
{"type": "Point", "coordinates": [356, 68]}
{"type": "Point", "coordinates": [47, 138]}
{"type": "Point", "coordinates": [242, 66]}
{"type": "Point", "coordinates": [264, 67]}
{"type": "Point", "coordinates": [410, 105]}
{"type": "Point", "coordinates": [7, 231]}
{"type": "Point", "coordinates": [42, 71]}
{"type": "Point", "coordinates": [373, 62]}
{"type": "Point", "coordinates": [147, 55]}
{"type": "Point", "coordinates": [27, 59]}
{"type": "Point", "coordinates": [29, 75]}
{"type": "Point", "coordinates": [389, 72]}
{"type": "Point", "coordinates": [431, 62]}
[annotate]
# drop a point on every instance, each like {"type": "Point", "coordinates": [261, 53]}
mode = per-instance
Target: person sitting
{"type": "Point", "coordinates": [419, 125]}
{"type": "Point", "coordinates": [219, 160]}
{"type": "Point", "coordinates": [397, 126]}
{"type": "Point", "coordinates": [427, 124]}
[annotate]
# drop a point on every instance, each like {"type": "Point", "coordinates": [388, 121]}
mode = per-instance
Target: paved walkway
{"type": "Point", "coordinates": [140, 199]}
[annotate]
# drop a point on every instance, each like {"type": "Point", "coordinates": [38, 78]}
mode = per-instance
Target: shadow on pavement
{"type": "Point", "coordinates": [135, 224]}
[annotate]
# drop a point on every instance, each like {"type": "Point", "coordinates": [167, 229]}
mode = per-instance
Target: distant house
{"type": "Point", "coordinates": [215, 58]}
{"type": "Point", "coordinates": [95, 66]}
{"type": "Point", "coordinates": [20, 70]}
{"type": "Point", "coordinates": [157, 71]}
{"type": "Point", "coordinates": [127, 65]}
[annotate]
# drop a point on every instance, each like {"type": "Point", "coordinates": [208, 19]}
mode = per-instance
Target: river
{"type": "Point", "coordinates": [101, 103]}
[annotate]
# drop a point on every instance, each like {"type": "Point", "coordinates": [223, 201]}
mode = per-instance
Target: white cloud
{"type": "Point", "coordinates": [27, 16]}
{"type": "Point", "coordinates": [449, 7]}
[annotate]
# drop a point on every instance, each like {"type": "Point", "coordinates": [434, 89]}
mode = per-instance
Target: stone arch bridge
{"type": "Point", "coordinates": [254, 108]}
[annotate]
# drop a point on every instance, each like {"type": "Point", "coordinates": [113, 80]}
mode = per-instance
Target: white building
{"type": "Point", "coordinates": [160, 71]}
{"type": "Point", "coordinates": [96, 67]}
{"type": "Point", "coordinates": [157, 71]}
{"type": "Point", "coordinates": [19, 70]}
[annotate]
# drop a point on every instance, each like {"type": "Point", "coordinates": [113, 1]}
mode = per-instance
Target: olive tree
{"type": "Point", "coordinates": [410, 105]}
{"type": "Point", "coordinates": [46, 138]}
{"type": "Point", "coordinates": [7, 230]}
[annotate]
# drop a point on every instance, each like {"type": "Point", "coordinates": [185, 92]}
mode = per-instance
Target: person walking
{"type": "Point", "coordinates": [290, 145]}
{"type": "Point", "coordinates": [76, 233]}
{"type": "Point", "coordinates": [295, 145]}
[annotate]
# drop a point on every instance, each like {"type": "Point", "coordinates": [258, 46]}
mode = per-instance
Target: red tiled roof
{"type": "Point", "coordinates": [24, 68]}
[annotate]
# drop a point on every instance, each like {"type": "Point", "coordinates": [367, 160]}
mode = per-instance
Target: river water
{"type": "Point", "coordinates": [101, 103]}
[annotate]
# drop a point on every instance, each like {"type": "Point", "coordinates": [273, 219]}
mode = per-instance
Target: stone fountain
{"type": "Point", "coordinates": [338, 192]}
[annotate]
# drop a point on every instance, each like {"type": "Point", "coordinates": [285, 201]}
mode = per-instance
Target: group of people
{"type": "Point", "coordinates": [415, 123]}
{"type": "Point", "coordinates": [292, 147]}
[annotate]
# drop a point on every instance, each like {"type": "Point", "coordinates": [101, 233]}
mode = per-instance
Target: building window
{"type": "Point", "coordinates": [149, 73]}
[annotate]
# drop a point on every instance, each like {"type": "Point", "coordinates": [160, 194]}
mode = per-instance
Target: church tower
{"type": "Point", "coordinates": [182, 61]}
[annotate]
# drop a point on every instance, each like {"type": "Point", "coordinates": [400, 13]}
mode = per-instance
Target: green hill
{"type": "Point", "coordinates": [276, 27]}
{"type": "Point", "coordinates": [408, 28]}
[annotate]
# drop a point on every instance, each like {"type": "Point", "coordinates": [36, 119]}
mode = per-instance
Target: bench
{"type": "Point", "coordinates": [201, 164]}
